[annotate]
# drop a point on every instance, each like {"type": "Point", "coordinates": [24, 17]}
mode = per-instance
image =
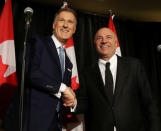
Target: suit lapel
{"type": "Point", "coordinates": [53, 53]}
{"type": "Point", "coordinates": [121, 76]}
{"type": "Point", "coordinates": [68, 69]}
{"type": "Point", "coordinates": [52, 50]}
{"type": "Point", "coordinates": [68, 64]}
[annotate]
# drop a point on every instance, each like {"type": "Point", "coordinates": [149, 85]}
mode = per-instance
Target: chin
{"type": "Point", "coordinates": [66, 38]}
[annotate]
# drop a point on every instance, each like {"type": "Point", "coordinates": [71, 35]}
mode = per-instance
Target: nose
{"type": "Point", "coordinates": [104, 40]}
{"type": "Point", "coordinates": [65, 24]}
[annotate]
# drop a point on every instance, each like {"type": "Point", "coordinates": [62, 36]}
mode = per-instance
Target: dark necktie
{"type": "Point", "coordinates": [109, 81]}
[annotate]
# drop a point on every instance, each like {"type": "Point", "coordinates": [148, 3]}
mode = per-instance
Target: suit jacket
{"type": "Point", "coordinates": [133, 107]}
{"type": "Point", "coordinates": [42, 80]}
{"type": "Point", "coordinates": [44, 77]}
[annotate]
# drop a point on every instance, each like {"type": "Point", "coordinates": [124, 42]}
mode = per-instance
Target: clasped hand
{"type": "Point", "coordinates": [69, 98]}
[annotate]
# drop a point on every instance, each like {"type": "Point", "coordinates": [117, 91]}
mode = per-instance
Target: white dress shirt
{"type": "Point", "coordinates": [113, 68]}
{"type": "Point", "coordinates": [57, 45]}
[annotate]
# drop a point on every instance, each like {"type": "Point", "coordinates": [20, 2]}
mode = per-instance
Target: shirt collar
{"type": "Point", "coordinates": [112, 60]}
{"type": "Point", "coordinates": [56, 41]}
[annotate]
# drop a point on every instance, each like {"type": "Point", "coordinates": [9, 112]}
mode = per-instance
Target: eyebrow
{"type": "Point", "coordinates": [100, 36]}
{"type": "Point", "coordinates": [109, 36]}
{"type": "Point", "coordinates": [62, 18]}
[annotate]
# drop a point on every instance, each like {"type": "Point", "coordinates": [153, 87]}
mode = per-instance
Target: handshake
{"type": "Point", "coordinates": [69, 98]}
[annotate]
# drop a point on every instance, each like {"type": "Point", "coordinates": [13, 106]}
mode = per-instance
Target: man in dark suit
{"type": "Point", "coordinates": [118, 98]}
{"type": "Point", "coordinates": [48, 77]}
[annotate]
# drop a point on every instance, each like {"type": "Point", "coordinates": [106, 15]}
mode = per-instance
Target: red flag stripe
{"type": "Point", "coordinates": [8, 79]}
{"type": "Point", "coordinates": [6, 23]}
{"type": "Point", "coordinates": [69, 43]}
{"type": "Point", "coordinates": [112, 27]}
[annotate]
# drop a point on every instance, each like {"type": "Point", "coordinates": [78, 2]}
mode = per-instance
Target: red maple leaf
{"type": "Point", "coordinates": [7, 87]}
{"type": "Point", "coordinates": [11, 79]}
{"type": "Point", "coordinates": [74, 83]}
{"type": "Point", "coordinates": [3, 68]}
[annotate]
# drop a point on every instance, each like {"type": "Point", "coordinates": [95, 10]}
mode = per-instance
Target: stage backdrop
{"type": "Point", "coordinates": [137, 39]}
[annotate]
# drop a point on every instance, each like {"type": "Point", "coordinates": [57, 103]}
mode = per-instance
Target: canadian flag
{"type": "Point", "coordinates": [8, 80]}
{"type": "Point", "coordinates": [74, 83]}
{"type": "Point", "coordinates": [112, 27]}
{"type": "Point", "coordinates": [69, 46]}
{"type": "Point", "coordinates": [71, 54]}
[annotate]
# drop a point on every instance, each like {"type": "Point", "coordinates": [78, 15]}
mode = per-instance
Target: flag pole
{"type": "Point", "coordinates": [110, 12]}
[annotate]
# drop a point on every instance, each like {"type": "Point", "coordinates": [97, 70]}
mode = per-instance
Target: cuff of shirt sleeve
{"type": "Point", "coordinates": [62, 88]}
{"type": "Point", "coordinates": [73, 109]}
{"type": "Point", "coordinates": [58, 95]}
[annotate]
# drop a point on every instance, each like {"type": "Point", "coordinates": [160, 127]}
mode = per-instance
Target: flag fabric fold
{"type": "Point", "coordinates": [8, 79]}
{"type": "Point", "coordinates": [112, 27]}
{"type": "Point", "coordinates": [71, 54]}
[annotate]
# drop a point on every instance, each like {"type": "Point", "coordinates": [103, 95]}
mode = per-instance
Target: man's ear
{"type": "Point", "coordinates": [53, 26]}
{"type": "Point", "coordinates": [75, 29]}
{"type": "Point", "coordinates": [116, 41]}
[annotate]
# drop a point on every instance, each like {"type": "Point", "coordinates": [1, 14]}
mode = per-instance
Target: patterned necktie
{"type": "Point", "coordinates": [58, 108]}
{"type": "Point", "coordinates": [109, 81]}
{"type": "Point", "coordinates": [61, 58]}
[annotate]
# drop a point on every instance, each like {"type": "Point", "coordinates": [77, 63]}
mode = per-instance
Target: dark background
{"type": "Point", "coordinates": [137, 39]}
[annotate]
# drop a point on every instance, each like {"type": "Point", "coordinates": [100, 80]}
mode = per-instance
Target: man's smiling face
{"type": "Point", "coordinates": [106, 43]}
{"type": "Point", "coordinates": [64, 26]}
